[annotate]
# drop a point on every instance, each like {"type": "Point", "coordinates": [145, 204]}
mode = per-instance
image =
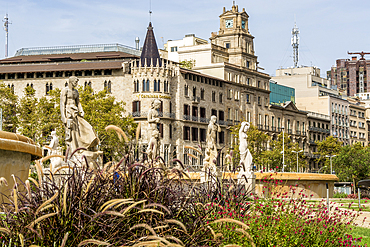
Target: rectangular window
{"type": "Point", "coordinates": [202, 135]}
{"type": "Point", "coordinates": [170, 130]}
{"type": "Point", "coordinates": [259, 100]}
{"type": "Point", "coordinates": [39, 75]}
{"type": "Point", "coordinates": [88, 72]}
{"type": "Point", "coordinates": [202, 94]}
{"type": "Point", "coordinates": [221, 137]}
{"type": "Point", "coordinates": [108, 72]}
{"type": "Point", "coordinates": [236, 115]}
{"type": "Point", "coordinates": [272, 121]}
{"type": "Point", "coordinates": [227, 45]}
{"type": "Point", "coordinates": [67, 73]}
{"type": "Point", "coordinates": [221, 116]}
{"type": "Point", "coordinates": [136, 107]}
{"type": "Point", "coordinates": [29, 75]}
{"type": "Point", "coordinates": [186, 133]}
{"type": "Point", "coordinates": [203, 112]}
{"type": "Point", "coordinates": [11, 76]}
{"type": "Point", "coordinates": [194, 134]}
{"type": "Point", "coordinates": [187, 110]}
{"type": "Point", "coordinates": [96, 72]}
{"type": "Point", "coordinates": [21, 75]}
{"type": "Point", "coordinates": [214, 112]}
{"type": "Point", "coordinates": [248, 116]}
{"type": "Point", "coordinates": [248, 99]}
{"type": "Point", "coordinates": [174, 49]}
{"type": "Point", "coordinates": [220, 98]}
{"type": "Point", "coordinates": [213, 96]}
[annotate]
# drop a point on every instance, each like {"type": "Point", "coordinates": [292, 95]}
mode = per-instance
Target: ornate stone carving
{"type": "Point", "coordinates": [153, 150]}
{"type": "Point", "coordinates": [79, 133]}
{"type": "Point", "coordinates": [210, 169]}
{"type": "Point", "coordinates": [245, 175]}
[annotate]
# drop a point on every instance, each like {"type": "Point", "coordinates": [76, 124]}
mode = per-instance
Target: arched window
{"type": "Point", "coordinates": [85, 85]}
{"type": "Point", "coordinates": [89, 84]}
{"type": "Point", "coordinates": [12, 88]}
{"type": "Point", "coordinates": [155, 86]}
{"type": "Point", "coordinates": [159, 85]}
{"type": "Point", "coordinates": [147, 86]}
{"type": "Point", "coordinates": [32, 85]}
{"type": "Point", "coordinates": [109, 87]}
{"type": "Point", "coordinates": [51, 86]}
{"type": "Point", "coordinates": [106, 86]}
{"type": "Point", "coordinates": [47, 88]}
{"type": "Point", "coordinates": [144, 86]}
{"type": "Point", "coordinates": [66, 84]}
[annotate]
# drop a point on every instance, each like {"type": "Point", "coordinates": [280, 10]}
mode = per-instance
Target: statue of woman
{"type": "Point", "coordinates": [245, 155]}
{"type": "Point", "coordinates": [78, 132]}
{"type": "Point", "coordinates": [153, 118]}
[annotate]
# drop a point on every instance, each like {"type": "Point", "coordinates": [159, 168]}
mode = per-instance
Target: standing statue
{"type": "Point", "coordinates": [153, 150]}
{"type": "Point", "coordinates": [245, 175]}
{"type": "Point", "coordinates": [53, 148]}
{"type": "Point", "coordinates": [211, 149]}
{"type": "Point", "coordinates": [245, 154]}
{"type": "Point", "coordinates": [153, 146]}
{"type": "Point", "coordinates": [78, 132]}
{"type": "Point", "coordinates": [153, 118]}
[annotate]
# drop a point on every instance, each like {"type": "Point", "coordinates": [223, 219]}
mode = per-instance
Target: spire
{"type": "Point", "coordinates": [150, 52]}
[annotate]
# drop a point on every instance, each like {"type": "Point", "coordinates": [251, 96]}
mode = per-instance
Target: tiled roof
{"type": "Point", "coordinates": [66, 57]}
{"type": "Point", "coordinates": [65, 66]}
{"type": "Point", "coordinates": [150, 50]}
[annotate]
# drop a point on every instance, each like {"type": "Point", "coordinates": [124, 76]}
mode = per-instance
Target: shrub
{"type": "Point", "coordinates": [340, 195]}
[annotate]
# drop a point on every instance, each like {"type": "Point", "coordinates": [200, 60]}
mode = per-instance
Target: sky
{"type": "Point", "coordinates": [328, 28]}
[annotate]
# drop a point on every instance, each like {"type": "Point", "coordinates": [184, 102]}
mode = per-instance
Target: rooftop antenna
{"type": "Point", "coordinates": [6, 28]}
{"type": "Point", "coordinates": [150, 11]}
{"type": "Point", "coordinates": [295, 43]}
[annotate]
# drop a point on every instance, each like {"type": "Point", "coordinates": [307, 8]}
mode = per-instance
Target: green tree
{"type": "Point", "coordinates": [187, 64]}
{"type": "Point", "coordinates": [257, 142]}
{"type": "Point", "coordinates": [328, 147]}
{"type": "Point", "coordinates": [352, 163]}
{"type": "Point", "coordinates": [101, 110]}
{"type": "Point", "coordinates": [8, 102]}
{"type": "Point", "coordinates": [28, 119]}
{"type": "Point", "coordinates": [273, 158]}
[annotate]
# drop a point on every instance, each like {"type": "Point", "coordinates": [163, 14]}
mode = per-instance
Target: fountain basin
{"type": "Point", "coordinates": [16, 154]}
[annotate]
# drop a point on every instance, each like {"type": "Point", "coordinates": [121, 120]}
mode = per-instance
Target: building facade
{"type": "Point", "coordinates": [224, 82]}
{"type": "Point", "coordinates": [351, 76]}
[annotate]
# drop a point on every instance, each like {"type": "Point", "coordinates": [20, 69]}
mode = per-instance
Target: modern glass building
{"type": "Point", "coordinates": [280, 93]}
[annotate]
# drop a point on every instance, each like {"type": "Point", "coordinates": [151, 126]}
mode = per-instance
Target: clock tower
{"type": "Point", "coordinates": [234, 35]}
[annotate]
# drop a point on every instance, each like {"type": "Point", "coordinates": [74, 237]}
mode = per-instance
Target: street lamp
{"type": "Point", "coordinates": [331, 167]}
{"type": "Point", "coordinates": [297, 152]}
{"type": "Point", "coordinates": [283, 149]}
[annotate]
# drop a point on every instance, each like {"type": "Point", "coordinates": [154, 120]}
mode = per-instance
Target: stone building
{"type": "Point", "coordinates": [224, 82]}
{"type": "Point", "coordinates": [351, 76]}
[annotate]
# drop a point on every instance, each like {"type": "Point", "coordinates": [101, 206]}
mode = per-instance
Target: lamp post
{"type": "Point", "coordinates": [297, 152]}
{"type": "Point", "coordinates": [283, 149]}
{"type": "Point", "coordinates": [331, 167]}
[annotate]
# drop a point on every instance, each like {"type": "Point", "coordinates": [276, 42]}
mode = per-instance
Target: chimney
{"type": "Point", "coordinates": [354, 58]}
{"type": "Point", "coordinates": [137, 42]}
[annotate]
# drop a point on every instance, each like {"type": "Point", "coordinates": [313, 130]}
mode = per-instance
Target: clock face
{"type": "Point", "coordinates": [243, 24]}
{"type": "Point", "coordinates": [229, 23]}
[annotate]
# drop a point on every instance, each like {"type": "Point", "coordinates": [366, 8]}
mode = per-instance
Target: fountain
{"type": "Point", "coordinates": [16, 154]}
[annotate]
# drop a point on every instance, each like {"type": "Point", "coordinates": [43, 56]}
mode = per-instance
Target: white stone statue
{"type": "Point", "coordinates": [153, 119]}
{"type": "Point", "coordinates": [78, 132]}
{"type": "Point", "coordinates": [245, 175]}
{"type": "Point", "coordinates": [153, 146]}
{"type": "Point", "coordinates": [211, 150]}
{"type": "Point", "coordinates": [53, 148]}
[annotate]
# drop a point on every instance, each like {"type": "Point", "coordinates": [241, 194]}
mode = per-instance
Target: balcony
{"type": "Point", "coordinates": [194, 118]}
{"type": "Point", "coordinates": [298, 132]}
{"type": "Point", "coordinates": [222, 122]}
{"type": "Point", "coordinates": [312, 142]}
{"type": "Point", "coordinates": [195, 99]}
{"type": "Point", "coordinates": [273, 128]}
{"type": "Point", "coordinates": [203, 120]}
{"type": "Point", "coordinates": [260, 126]}
{"type": "Point", "coordinates": [266, 127]}
{"type": "Point", "coordinates": [326, 131]}
{"type": "Point", "coordinates": [186, 117]}
{"type": "Point", "coordinates": [230, 122]}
